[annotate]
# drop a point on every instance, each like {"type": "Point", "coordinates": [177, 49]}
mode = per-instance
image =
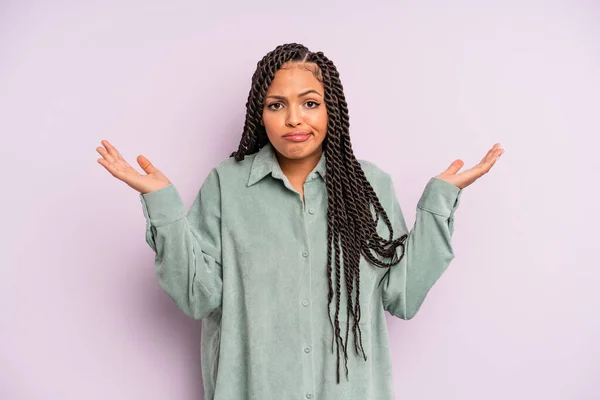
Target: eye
{"type": "Point", "coordinates": [271, 106]}
{"type": "Point", "coordinates": [314, 104]}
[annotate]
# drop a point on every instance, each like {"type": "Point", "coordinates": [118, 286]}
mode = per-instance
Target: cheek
{"type": "Point", "coordinates": [317, 119]}
{"type": "Point", "coordinates": [271, 121]}
{"type": "Point", "coordinates": [321, 122]}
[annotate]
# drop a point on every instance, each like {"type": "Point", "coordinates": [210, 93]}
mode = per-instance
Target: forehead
{"type": "Point", "coordinates": [293, 78]}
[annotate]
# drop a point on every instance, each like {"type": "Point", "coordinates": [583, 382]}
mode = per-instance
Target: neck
{"type": "Point", "coordinates": [297, 170]}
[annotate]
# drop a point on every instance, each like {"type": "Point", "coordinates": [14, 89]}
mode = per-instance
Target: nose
{"type": "Point", "coordinates": [293, 117]}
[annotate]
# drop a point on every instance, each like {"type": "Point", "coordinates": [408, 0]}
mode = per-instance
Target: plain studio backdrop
{"type": "Point", "coordinates": [516, 315]}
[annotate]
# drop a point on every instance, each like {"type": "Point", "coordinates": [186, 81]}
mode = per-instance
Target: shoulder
{"type": "Point", "coordinates": [375, 174]}
{"type": "Point", "coordinates": [230, 173]}
{"type": "Point", "coordinates": [230, 166]}
{"type": "Point", "coordinates": [380, 180]}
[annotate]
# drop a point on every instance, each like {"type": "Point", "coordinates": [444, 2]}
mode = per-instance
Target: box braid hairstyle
{"type": "Point", "coordinates": [350, 222]}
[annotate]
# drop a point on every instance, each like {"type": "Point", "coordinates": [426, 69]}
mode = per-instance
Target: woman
{"type": "Point", "coordinates": [291, 243]}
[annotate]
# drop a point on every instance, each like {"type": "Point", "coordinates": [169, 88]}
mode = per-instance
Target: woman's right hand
{"type": "Point", "coordinates": [120, 169]}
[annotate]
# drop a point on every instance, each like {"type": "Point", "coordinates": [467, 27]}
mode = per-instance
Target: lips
{"type": "Point", "coordinates": [296, 133]}
{"type": "Point", "coordinates": [297, 137]}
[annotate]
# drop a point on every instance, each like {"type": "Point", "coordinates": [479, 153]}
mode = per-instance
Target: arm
{"type": "Point", "coordinates": [187, 248]}
{"type": "Point", "coordinates": [428, 248]}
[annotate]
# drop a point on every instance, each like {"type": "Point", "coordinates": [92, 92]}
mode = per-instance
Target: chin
{"type": "Point", "coordinates": [296, 151]}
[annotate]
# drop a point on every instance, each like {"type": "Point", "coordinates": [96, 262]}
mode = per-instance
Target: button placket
{"type": "Point", "coordinates": [308, 212]}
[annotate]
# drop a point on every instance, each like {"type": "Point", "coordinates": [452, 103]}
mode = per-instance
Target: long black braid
{"type": "Point", "coordinates": [351, 225]}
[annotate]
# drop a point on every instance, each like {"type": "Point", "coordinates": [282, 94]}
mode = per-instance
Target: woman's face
{"type": "Point", "coordinates": [294, 103]}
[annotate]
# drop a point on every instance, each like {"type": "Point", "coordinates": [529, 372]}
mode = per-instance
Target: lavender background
{"type": "Point", "coordinates": [515, 316]}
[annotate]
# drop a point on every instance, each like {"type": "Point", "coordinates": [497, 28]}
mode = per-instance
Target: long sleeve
{"type": "Point", "coordinates": [187, 247]}
{"type": "Point", "coordinates": [428, 248]}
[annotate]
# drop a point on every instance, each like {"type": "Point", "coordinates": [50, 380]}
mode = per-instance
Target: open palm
{"type": "Point", "coordinates": [466, 177]}
{"type": "Point", "coordinates": [120, 169]}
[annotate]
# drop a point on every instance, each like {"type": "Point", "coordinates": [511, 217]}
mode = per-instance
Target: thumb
{"type": "Point", "coordinates": [146, 165]}
{"type": "Point", "coordinates": [455, 167]}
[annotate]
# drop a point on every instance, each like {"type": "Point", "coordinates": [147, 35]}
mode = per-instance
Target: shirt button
{"type": "Point", "coordinates": [309, 395]}
{"type": "Point", "coordinates": [311, 211]}
{"type": "Point", "coordinates": [307, 349]}
{"type": "Point", "coordinates": [305, 254]}
{"type": "Point", "coordinates": [305, 303]}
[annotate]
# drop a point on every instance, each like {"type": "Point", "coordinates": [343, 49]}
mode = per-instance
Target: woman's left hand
{"type": "Point", "coordinates": [465, 178]}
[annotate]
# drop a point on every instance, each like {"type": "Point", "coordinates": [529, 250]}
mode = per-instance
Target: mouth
{"type": "Point", "coordinates": [297, 136]}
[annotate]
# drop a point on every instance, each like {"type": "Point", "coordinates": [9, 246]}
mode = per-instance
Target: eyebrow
{"type": "Point", "coordinates": [300, 95]}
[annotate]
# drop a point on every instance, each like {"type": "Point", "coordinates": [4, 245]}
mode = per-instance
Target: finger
{"type": "Point", "coordinates": [455, 167]}
{"type": "Point", "coordinates": [146, 164]}
{"type": "Point", "coordinates": [490, 155]}
{"type": "Point", "coordinates": [485, 168]}
{"type": "Point", "coordinates": [105, 154]}
{"type": "Point", "coordinates": [495, 155]}
{"type": "Point", "coordinates": [112, 150]}
{"type": "Point", "coordinates": [109, 167]}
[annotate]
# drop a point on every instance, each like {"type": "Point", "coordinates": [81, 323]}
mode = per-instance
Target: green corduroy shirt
{"type": "Point", "coordinates": [249, 259]}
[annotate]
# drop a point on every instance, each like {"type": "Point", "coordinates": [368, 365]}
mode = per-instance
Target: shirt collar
{"type": "Point", "coordinates": [265, 162]}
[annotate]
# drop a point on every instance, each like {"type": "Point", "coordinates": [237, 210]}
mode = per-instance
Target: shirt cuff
{"type": "Point", "coordinates": [440, 197]}
{"type": "Point", "coordinates": [163, 206]}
